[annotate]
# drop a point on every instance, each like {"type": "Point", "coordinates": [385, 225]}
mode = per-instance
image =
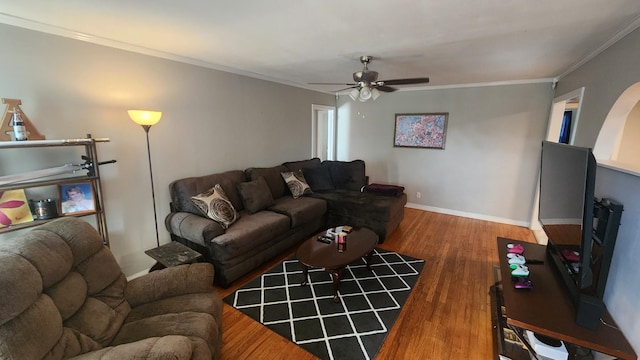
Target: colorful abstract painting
{"type": "Point", "coordinates": [14, 208]}
{"type": "Point", "coordinates": [420, 130]}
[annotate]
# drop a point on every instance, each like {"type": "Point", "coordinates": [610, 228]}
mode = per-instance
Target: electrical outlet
{"type": "Point", "coordinates": [418, 194]}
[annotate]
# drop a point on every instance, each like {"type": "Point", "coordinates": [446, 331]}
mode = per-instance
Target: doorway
{"type": "Point", "coordinates": [565, 113]}
{"type": "Point", "coordinates": [323, 132]}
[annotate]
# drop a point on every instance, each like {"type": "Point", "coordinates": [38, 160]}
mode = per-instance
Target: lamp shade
{"type": "Point", "coordinates": [365, 93]}
{"type": "Point", "coordinates": [353, 94]}
{"type": "Point", "coordinates": [145, 117]}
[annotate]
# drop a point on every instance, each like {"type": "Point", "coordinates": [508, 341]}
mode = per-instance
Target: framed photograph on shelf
{"type": "Point", "coordinates": [14, 208]}
{"type": "Point", "coordinates": [422, 130]}
{"type": "Point", "coordinates": [77, 198]}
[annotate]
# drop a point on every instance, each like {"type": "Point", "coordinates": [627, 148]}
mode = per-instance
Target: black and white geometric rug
{"type": "Point", "coordinates": [354, 328]}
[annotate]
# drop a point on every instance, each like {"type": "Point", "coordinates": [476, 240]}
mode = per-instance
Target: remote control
{"type": "Point", "coordinates": [535, 261]}
{"type": "Point", "coordinates": [324, 239]}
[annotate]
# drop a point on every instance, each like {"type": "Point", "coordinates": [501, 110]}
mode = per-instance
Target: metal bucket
{"type": "Point", "coordinates": [44, 209]}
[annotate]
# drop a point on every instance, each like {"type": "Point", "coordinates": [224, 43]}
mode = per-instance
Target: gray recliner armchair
{"type": "Point", "coordinates": [63, 295]}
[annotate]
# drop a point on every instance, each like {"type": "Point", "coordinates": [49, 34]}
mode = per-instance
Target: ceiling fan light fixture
{"type": "Point", "coordinates": [354, 94]}
{"type": "Point", "coordinates": [375, 93]}
{"type": "Point", "coordinates": [365, 94]}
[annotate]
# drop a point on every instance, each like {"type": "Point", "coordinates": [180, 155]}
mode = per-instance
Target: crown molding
{"type": "Point", "coordinates": [59, 31]}
{"type": "Point", "coordinates": [626, 30]}
{"type": "Point", "coordinates": [67, 33]}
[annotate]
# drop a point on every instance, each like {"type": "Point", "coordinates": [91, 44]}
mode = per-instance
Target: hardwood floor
{"type": "Point", "coordinates": [447, 316]}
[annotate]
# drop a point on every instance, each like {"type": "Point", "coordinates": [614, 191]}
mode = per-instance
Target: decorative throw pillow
{"type": "Point", "coordinates": [303, 164]}
{"type": "Point", "coordinates": [255, 195]}
{"type": "Point", "coordinates": [347, 175]}
{"type": "Point", "coordinates": [318, 178]}
{"type": "Point", "coordinates": [296, 183]}
{"type": "Point", "coordinates": [215, 205]}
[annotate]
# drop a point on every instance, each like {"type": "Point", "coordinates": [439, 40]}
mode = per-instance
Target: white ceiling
{"type": "Point", "coordinates": [297, 42]}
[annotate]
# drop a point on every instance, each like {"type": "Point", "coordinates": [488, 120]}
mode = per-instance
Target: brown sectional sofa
{"type": "Point", "coordinates": [62, 295]}
{"type": "Point", "coordinates": [266, 228]}
{"type": "Point", "coordinates": [340, 184]}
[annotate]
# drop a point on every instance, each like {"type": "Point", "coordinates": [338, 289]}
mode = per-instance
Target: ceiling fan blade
{"type": "Point", "coordinates": [351, 84]}
{"type": "Point", "coordinates": [385, 88]}
{"type": "Point", "coordinates": [350, 87]}
{"type": "Point", "coordinates": [410, 81]}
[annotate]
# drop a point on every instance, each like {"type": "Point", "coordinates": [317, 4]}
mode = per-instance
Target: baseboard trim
{"type": "Point", "coordinates": [138, 274]}
{"type": "Point", "coordinates": [469, 215]}
{"type": "Point", "coordinates": [541, 236]}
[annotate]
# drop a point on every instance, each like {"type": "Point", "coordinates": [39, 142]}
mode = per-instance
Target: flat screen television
{"type": "Point", "coordinates": [581, 229]}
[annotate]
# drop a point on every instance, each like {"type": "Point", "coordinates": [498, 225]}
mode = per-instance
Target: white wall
{"type": "Point", "coordinates": [489, 166]}
{"type": "Point", "coordinates": [603, 82]}
{"type": "Point", "coordinates": [605, 78]}
{"type": "Point", "coordinates": [630, 142]}
{"type": "Point", "coordinates": [212, 121]}
{"type": "Point", "coordinates": [623, 286]}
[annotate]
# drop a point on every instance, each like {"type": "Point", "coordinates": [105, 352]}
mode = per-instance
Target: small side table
{"type": "Point", "coordinates": [172, 254]}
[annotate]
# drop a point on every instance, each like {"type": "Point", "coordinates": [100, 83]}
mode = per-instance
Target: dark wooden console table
{"type": "Point", "coordinates": [546, 309]}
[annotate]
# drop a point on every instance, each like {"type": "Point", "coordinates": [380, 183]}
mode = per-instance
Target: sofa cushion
{"type": "Point", "coordinates": [190, 324]}
{"type": "Point", "coordinates": [318, 178]}
{"type": "Point", "coordinates": [354, 204]}
{"type": "Point", "coordinates": [272, 176]}
{"type": "Point", "coordinates": [214, 204]}
{"type": "Point", "coordinates": [297, 184]}
{"type": "Point", "coordinates": [301, 210]}
{"type": "Point", "coordinates": [255, 195]}
{"type": "Point", "coordinates": [384, 189]}
{"type": "Point", "coordinates": [303, 164]}
{"type": "Point", "coordinates": [347, 175]}
{"type": "Point", "coordinates": [247, 233]}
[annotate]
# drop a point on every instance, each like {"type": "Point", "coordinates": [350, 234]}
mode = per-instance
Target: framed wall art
{"type": "Point", "coordinates": [77, 198]}
{"type": "Point", "coordinates": [422, 130]}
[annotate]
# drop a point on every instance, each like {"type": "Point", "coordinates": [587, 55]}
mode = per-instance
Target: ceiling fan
{"type": "Point", "coordinates": [367, 86]}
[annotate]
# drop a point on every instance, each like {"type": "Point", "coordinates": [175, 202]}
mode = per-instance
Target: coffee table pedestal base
{"type": "Point", "coordinates": [336, 275]}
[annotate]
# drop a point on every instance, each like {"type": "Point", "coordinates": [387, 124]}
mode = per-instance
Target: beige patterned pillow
{"type": "Point", "coordinates": [297, 184]}
{"type": "Point", "coordinates": [215, 205]}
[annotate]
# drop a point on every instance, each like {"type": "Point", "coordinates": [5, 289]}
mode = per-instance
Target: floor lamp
{"type": "Point", "coordinates": [146, 119]}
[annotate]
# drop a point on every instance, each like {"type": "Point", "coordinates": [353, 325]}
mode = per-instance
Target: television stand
{"type": "Point", "coordinates": [547, 308]}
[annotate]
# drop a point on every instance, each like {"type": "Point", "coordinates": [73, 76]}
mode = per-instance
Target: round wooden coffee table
{"type": "Point", "coordinates": [360, 242]}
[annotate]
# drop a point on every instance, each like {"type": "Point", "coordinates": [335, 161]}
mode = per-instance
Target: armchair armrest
{"type": "Point", "coordinates": [169, 282]}
{"type": "Point", "coordinates": [167, 347]}
{"type": "Point", "coordinates": [192, 227]}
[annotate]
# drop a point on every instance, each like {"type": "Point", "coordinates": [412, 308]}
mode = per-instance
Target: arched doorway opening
{"type": "Point", "coordinates": [617, 142]}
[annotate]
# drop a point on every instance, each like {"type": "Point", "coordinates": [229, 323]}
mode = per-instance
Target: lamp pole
{"type": "Point", "coordinates": [153, 192]}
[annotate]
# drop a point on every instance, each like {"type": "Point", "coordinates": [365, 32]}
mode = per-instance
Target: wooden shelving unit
{"type": "Point", "coordinates": [93, 176]}
{"type": "Point", "coordinates": [547, 309]}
